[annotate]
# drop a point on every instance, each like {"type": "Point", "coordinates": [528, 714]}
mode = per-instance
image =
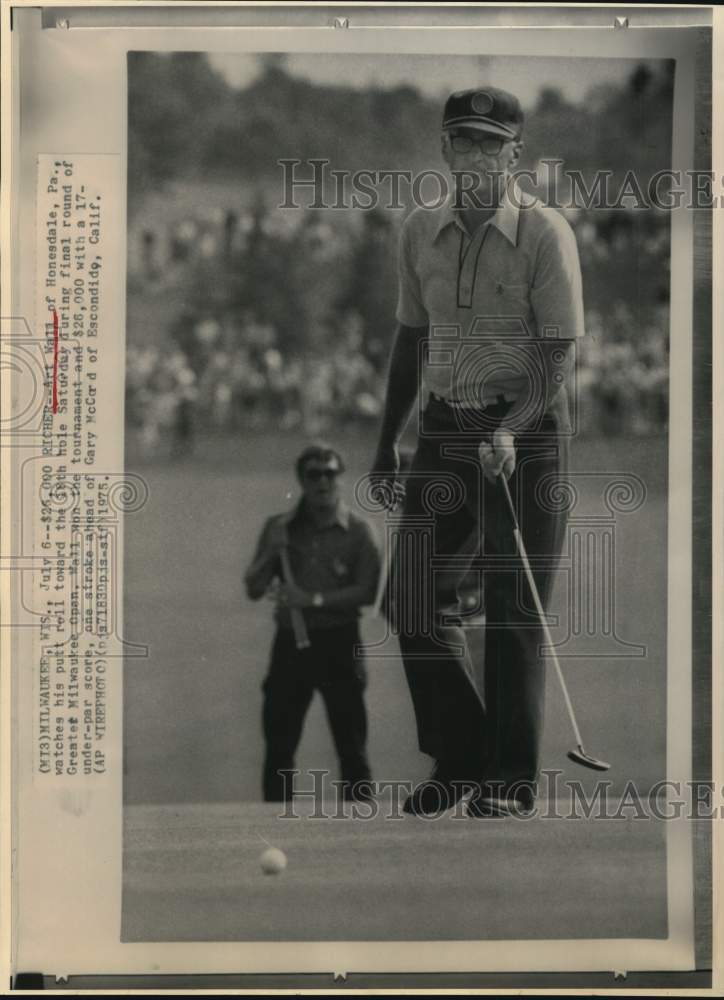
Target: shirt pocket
{"type": "Point", "coordinates": [510, 299]}
{"type": "Point", "coordinates": [505, 290]}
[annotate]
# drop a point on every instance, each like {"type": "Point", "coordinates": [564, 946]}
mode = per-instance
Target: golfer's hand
{"type": "Point", "coordinates": [386, 490]}
{"type": "Point", "coordinates": [499, 456]}
{"type": "Point", "coordinates": [291, 596]}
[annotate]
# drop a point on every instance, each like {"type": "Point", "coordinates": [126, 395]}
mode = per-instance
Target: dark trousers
{"type": "Point", "coordinates": [330, 667]}
{"type": "Point", "coordinates": [454, 521]}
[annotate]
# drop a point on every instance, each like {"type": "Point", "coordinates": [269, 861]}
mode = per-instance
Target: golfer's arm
{"type": "Point", "coordinates": [557, 302]}
{"type": "Point", "coordinates": [403, 382]}
{"type": "Point", "coordinates": [549, 380]}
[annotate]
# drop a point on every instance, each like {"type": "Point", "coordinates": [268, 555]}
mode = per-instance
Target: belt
{"type": "Point", "coordinates": [458, 404]}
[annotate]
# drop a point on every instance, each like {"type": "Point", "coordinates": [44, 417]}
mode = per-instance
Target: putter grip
{"type": "Point", "coordinates": [298, 624]}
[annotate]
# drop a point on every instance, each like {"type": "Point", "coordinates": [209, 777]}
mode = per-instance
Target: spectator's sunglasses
{"type": "Point", "coordinates": [315, 475]}
{"type": "Point", "coordinates": [491, 145]}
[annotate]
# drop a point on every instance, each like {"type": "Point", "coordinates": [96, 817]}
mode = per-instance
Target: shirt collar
{"type": "Point", "coordinates": [505, 219]}
{"type": "Point", "coordinates": [341, 514]}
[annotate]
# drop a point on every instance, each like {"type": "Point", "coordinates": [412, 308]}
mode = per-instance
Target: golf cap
{"type": "Point", "coordinates": [488, 109]}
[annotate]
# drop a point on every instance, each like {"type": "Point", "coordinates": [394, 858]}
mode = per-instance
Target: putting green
{"type": "Point", "coordinates": [192, 873]}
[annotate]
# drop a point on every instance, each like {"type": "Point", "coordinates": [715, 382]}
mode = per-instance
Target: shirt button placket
{"type": "Point", "coordinates": [468, 268]}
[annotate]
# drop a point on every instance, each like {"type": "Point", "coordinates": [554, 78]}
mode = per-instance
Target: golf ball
{"type": "Point", "coordinates": [273, 861]}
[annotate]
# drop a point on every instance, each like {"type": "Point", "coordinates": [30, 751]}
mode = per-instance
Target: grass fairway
{"type": "Point", "coordinates": [192, 873]}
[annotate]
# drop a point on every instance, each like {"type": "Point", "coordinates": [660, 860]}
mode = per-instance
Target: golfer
{"type": "Point", "coordinates": [490, 302]}
{"type": "Point", "coordinates": [333, 570]}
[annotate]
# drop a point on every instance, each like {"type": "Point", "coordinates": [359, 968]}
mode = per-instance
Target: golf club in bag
{"type": "Point", "coordinates": [578, 755]}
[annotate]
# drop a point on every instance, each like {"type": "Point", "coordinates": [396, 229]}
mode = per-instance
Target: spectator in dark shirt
{"type": "Point", "coordinates": [335, 566]}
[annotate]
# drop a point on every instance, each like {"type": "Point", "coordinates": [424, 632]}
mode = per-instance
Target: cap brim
{"type": "Point", "coordinates": [488, 127]}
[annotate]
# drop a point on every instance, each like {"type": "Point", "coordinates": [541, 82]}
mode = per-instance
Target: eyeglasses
{"type": "Point", "coordinates": [491, 145]}
{"type": "Point", "coordinates": [315, 475]}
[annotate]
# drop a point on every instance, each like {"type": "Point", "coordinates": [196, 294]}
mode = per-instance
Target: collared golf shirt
{"type": "Point", "coordinates": [487, 298]}
{"type": "Point", "coordinates": [327, 558]}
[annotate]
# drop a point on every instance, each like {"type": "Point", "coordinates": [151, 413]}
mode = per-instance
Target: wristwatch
{"type": "Point", "coordinates": [318, 600]}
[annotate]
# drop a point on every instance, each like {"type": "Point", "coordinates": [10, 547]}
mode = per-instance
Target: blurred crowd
{"type": "Point", "coordinates": [275, 320]}
{"type": "Point", "coordinates": [252, 385]}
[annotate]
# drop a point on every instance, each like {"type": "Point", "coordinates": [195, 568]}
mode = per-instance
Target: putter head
{"type": "Point", "coordinates": [579, 756]}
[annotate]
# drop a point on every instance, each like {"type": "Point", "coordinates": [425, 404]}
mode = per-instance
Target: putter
{"type": "Point", "coordinates": [579, 755]}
